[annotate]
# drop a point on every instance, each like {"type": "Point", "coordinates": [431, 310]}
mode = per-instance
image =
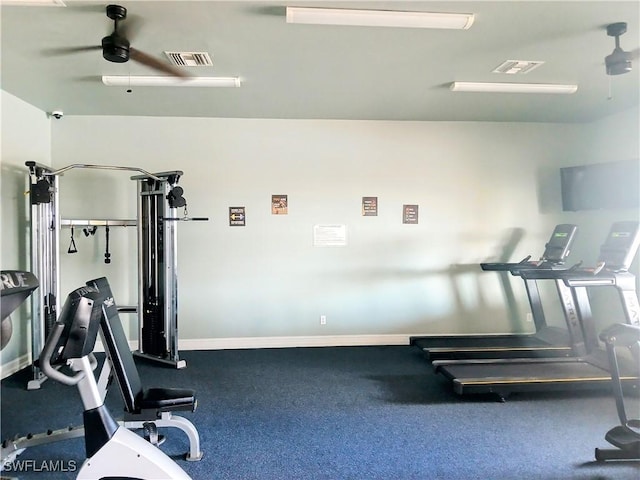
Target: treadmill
{"type": "Point", "coordinates": [547, 341]}
{"type": "Point", "coordinates": [590, 371]}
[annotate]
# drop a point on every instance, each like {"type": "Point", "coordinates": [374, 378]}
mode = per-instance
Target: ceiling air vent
{"type": "Point", "coordinates": [517, 67]}
{"type": "Point", "coordinates": [189, 59]}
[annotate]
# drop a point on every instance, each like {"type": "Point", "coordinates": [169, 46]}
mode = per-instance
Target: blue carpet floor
{"type": "Point", "coordinates": [341, 413]}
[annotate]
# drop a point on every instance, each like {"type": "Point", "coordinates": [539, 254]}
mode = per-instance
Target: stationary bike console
{"type": "Point", "coordinates": [74, 335]}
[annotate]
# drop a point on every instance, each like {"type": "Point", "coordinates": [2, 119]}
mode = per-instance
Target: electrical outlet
{"type": "Point", "coordinates": [323, 319]}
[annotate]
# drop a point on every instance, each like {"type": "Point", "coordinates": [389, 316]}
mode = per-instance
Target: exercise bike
{"type": "Point", "coordinates": [111, 450]}
{"type": "Point", "coordinates": [626, 436]}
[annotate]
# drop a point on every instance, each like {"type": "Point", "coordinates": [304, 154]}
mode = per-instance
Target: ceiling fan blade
{"type": "Point", "coordinates": [69, 50]}
{"type": "Point", "coordinates": [634, 54]}
{"type": "Point", "coordinates": [155, 63]}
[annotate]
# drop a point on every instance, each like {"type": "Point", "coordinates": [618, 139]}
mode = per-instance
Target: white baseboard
{"type": "Point", "coordinates": [291, 342]}
{"type": "Point", "coordinates": [239, 343]}
{"type": "Point", "coordinates": [15, 365]}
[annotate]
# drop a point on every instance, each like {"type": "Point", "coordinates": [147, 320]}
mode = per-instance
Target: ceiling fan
{"type": "Point", "coordinates": [619, 61]}
{"type": "Point", "coordinates": [117, 48]}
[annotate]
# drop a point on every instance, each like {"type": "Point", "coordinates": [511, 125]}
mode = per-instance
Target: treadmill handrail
{"type": "Point", "coordinates": [511, 266]}
{"type": "Point", "coordinates": [585, 274]}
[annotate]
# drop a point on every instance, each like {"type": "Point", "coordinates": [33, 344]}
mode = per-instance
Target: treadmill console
{"type": "Point", "coordinates": [556, 251]}
{"type": "Point", "coordinates": [558, 248]}
{"type": "Point", "coordinates": [619, 249]}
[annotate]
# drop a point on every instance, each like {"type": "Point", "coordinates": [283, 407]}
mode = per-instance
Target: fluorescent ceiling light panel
{"type": "Point", "coordinates": [512, 87]}
{"type": "Point", "coordinates": [34, 3]}
{"type": "Point", "coordinates": [379, 18]}
{"type": "Point", "coordinates": [159, 81]}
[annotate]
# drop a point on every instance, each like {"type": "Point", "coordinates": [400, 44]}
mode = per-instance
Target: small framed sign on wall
{"type": "Point", "coordinates": [237, 217]}
{"type": "Point", "coordinates": [279, 205]}
{"type": "Point", "coordinates": [369, 206]}
{"type": "Point", "coordinates": [410, 214]}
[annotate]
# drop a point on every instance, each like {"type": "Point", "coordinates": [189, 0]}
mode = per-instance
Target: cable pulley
{"type": "Point", "coordinates": [175, 197]}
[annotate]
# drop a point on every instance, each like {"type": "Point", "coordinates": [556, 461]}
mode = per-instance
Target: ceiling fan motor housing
{"type": "Point", "coordinates": [115, 48]}
{"type": "Point", "coordinates": [619, 61]}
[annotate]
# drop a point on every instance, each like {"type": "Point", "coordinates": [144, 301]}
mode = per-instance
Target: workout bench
{"type": "Point", "coordinates": [144, 408]}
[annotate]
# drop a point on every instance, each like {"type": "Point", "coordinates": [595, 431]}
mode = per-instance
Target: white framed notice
{"type": "Point", "coordinates": [329, 235]}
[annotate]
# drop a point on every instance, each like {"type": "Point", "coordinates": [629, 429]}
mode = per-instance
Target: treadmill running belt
{"type": "Point", "coordinates": [551, 342]}
{"type": "Point", "coordinates": [507, 377]}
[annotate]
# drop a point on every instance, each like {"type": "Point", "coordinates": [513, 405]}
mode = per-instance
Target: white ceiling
{"type": "Point", "coordinates": [332, 72]}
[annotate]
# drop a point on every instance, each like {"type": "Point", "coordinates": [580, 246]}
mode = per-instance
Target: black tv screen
{"type": "Point", "coordinates": [611, 185]}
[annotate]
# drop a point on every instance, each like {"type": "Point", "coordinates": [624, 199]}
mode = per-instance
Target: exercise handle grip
{"type": "Point", "coordinates": [47, 353]}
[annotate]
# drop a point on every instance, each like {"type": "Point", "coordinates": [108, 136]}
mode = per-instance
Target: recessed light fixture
{"type": "Point", "coordinates": [379, 18]}
{"type": "Point", "coordinates": [160, 81]}
{"type": "Point", "coordinates": [487, 87]}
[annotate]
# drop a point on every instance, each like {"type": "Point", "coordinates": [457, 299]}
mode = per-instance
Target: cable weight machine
{"type": "Point", "coordinates": [45, 261]}
{"type": "Point", "coordinates": [159, 198]}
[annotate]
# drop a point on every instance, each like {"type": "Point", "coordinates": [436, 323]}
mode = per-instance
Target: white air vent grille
{"type": "Point", "coordinates": [190, 59]}
{"type": "Point", "coordinates": [517, 67]}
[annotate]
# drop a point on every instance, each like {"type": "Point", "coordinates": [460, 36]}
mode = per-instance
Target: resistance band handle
{"type": "Point", "coordinates": [107, 255]}
{"type": "Point", "coordinates": [72, 245]}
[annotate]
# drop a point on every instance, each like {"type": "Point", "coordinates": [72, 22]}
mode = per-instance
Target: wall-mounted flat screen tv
{"type": "Point", "coordinates": [611, 185]}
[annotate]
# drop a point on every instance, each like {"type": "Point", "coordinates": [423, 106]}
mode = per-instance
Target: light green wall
{"type": "Point", "coordinates": [25, 135]}
{"type": "Point", "coordinates": [474, 182]}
